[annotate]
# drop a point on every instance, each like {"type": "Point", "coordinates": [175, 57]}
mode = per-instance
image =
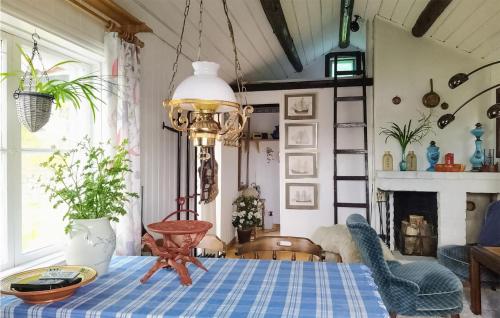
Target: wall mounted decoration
{"type": "Point", "coordinates": [301, 136]}
{"type": "Point", "coordinates": [396, 100]}
{"type": "Point", "coordinates": [300, 106]}
{"type": "Point", "coordinates": [431, 99]}
{"type": "Point", "coordinates": [301, 165]}
{"type": "Point", "coordinates": [302, 196]}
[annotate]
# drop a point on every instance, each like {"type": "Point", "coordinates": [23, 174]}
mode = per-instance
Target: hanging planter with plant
{"type": "Point", "coordinates": [36, 92]}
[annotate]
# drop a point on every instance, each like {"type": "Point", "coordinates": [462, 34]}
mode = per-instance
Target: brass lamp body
{"type": "Point", "coordinates": [201, 125]}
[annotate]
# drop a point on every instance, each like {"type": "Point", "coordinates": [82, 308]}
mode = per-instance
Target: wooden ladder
{"type": "Point", "coordinates": [344, 101]}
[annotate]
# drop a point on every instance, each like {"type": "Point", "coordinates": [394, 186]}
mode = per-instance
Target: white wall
{"type": "Point", "coordinates": [305, 222]}
{"type": "Point", "coordinates": [403, 66]}
{"type": "Point", "coordinates": [227, 157]}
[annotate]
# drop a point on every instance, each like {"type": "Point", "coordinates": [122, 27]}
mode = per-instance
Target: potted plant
{"type": "Point", "coordinates": [247, 213]}
{"type": "Point", "coordinates": [91, 185]}
{"type": "Point", "coordinates": [36, 92]}
{"type": "Point", "coordinates": [406, 135]}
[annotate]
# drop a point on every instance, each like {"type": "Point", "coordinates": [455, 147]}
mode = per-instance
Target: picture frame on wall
{"type": "Point", "coordinates": [301, 165]}
{"type": "Point", "coordinates": [300, 106]}
{"type": "Point", "coordinates": [301, 196]}
{"type": "Point", "coordinates": [301, 136]}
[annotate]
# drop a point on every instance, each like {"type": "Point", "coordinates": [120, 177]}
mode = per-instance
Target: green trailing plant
{"type": "Point", "coordinates": [407, 134]}
{"type": "Point", "coordinates": [247, 212]}
{"type": "Point", "coordinates": [81, 89]}
{"type": "Point", "coordinates": [90, 183]}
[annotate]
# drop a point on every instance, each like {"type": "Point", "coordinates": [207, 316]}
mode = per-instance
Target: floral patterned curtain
{"type": "Point", "coordinates": [123, 122]}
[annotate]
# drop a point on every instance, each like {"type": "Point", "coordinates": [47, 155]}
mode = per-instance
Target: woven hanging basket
{"type": "Point", "coordinates": [33, 109]}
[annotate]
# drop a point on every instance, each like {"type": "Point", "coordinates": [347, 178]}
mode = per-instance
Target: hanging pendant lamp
{"type": "Point", "coordinates": [199, 103]}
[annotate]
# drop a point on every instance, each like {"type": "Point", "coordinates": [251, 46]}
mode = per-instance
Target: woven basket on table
{"type": "Point", "coordinates": [33, 109]}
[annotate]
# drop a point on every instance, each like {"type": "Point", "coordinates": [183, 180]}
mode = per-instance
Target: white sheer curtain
{"type": "Point", "coordinates": [123, 122]}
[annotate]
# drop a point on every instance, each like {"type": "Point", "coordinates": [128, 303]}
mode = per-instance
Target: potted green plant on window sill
{"type": "Point", "coordinates": [91, 185]}
{"type": "Point", "coordinates": [247, 214]}
{"type": "Point", "coordinates": [36, 92]}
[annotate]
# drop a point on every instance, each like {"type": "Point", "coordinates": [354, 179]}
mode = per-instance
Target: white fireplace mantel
{"type": "Point", "coordinates": [451, 188]}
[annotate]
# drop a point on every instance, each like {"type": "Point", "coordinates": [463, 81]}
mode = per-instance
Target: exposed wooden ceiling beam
{"type": "Point", "coordinates": [429, 15]}
{"type": "Point", "coordinates": [116, 18]}
{"type": "Point", "coordinates": [276, 18]}
{"type": "Point", "coordinates": [346, 7]}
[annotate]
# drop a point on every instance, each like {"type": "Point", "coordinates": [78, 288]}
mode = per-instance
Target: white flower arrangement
{"type": "Point", "coordinates": [247, 212]}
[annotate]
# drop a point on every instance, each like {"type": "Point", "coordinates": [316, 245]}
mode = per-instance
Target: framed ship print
{"type": "Point", "coordinates": [301, 196]}
{"type": "Point", "coordinates": [301, 106]}
{"type": "Point", "coordinates": [301, 136]}
{"type": "Point", "coordinates": [301, 165]}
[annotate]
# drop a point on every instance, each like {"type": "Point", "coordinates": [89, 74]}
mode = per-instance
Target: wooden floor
{"type": "Point", "coordinates": [231, 249]}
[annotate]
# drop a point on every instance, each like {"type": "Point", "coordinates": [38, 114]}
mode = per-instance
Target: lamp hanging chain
{"type": "Point", "coordinates": [237, 66]}
{"type": "Point", "coordinates": [178, 51]}
{"type": "Point", "coordinates": [200, 28]}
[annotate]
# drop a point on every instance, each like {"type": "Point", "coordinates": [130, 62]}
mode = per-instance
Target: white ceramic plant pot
{"type": "Point", "coordinates": [91, 243]}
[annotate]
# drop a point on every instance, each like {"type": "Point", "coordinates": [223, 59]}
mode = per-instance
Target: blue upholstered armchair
{"type": "Point", "coordinates": [417, 288]}
{"type": "Point", "coordinates": [456, 257]}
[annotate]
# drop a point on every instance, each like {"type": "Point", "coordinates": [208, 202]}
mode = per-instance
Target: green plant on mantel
{"type": "Point", "coordinates": [407, 135]}
{"type": "Point", "coordinates": [84, 88]}
{"type": "Point", "coordinates": [90, 183]}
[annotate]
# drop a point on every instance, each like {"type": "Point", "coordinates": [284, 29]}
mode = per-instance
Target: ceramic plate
{"type": "Point", "coordinates": [46, 296]}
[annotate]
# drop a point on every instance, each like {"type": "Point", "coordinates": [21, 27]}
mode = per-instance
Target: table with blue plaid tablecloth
{"type": "Point", "coordinates": [230, 288]}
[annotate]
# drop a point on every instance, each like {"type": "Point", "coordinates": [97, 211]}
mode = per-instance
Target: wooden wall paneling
{"type": "Point", "coordinates": [488, 28]}
{"type": "Point", "coordinates": [414, 12]}
{"type": "Point", "coordinates": [316, 23]}
{"type": "Point", "coordinates": [488, 46]}
{"type": "Point", "coordinates": [330, 11]}
{"type": "Point", "coordinates": [254, 8]}
{"type": "Point", "coordinates": [478, 18]}
{"type": "Point", "coordinates": [359, 7]}
{"type": "Point", "coordinates": [461, 12]}
{"type": "Point", "coordinates": [250, 31]}
{"type": "Point", "coordinates": [387, 8]}
{"type": "Point", "coordinates": [401, 11]}
{"type": "Point", "coordinates": [372, 8]}
{"type": "Point", "coordinates": [304, 25]}
{"type": "Point", "coordinates": [293, 27]}
{"type": "Point", "coordinates": [246, 52]}
{"type": "Point", "coordinates": [174, 15]}
{"type": "Point", "coordinates": [493, 54]}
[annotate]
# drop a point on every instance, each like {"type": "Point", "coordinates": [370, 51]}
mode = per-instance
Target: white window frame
{"type": "Point", "coordinates": [10, 145]}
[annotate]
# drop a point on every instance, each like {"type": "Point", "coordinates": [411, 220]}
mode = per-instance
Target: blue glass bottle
{"type": "Point", "coordinates": [477, 158]}
{"type": "Point", "coordinates": [432, 156]}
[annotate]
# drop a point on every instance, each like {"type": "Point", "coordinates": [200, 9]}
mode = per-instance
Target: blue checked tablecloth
{"type": "Point", "coordinates": [230, 288]}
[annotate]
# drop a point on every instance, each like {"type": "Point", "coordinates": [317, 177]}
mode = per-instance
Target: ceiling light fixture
{"type": "Point", "coordinates": [199, 104]}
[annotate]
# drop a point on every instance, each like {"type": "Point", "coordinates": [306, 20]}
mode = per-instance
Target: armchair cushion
{"type": "Point", "coordinates": [439, 289]}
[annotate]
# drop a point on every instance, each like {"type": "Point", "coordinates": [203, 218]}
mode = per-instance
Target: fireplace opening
{"type": "Point", "coordinates": [415, 222]}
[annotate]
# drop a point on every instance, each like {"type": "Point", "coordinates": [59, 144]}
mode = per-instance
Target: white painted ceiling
{"type": "Point", "coordinates": [470, 26]}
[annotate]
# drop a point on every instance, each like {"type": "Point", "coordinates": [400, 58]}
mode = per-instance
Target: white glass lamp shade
{"type": "Point", "coordinates": [205, 91]}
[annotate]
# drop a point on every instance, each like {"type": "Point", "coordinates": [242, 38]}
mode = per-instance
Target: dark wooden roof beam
{"type": "Point", "coordinates": [276, 18]}
{"type": "Point", "coordinates": [429, 15]}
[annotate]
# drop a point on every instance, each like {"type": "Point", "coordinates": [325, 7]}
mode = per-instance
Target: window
{"type": "Point", "coordinates": [30, 227]}
{"type": "Point", "coordinates": [349, 64]}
